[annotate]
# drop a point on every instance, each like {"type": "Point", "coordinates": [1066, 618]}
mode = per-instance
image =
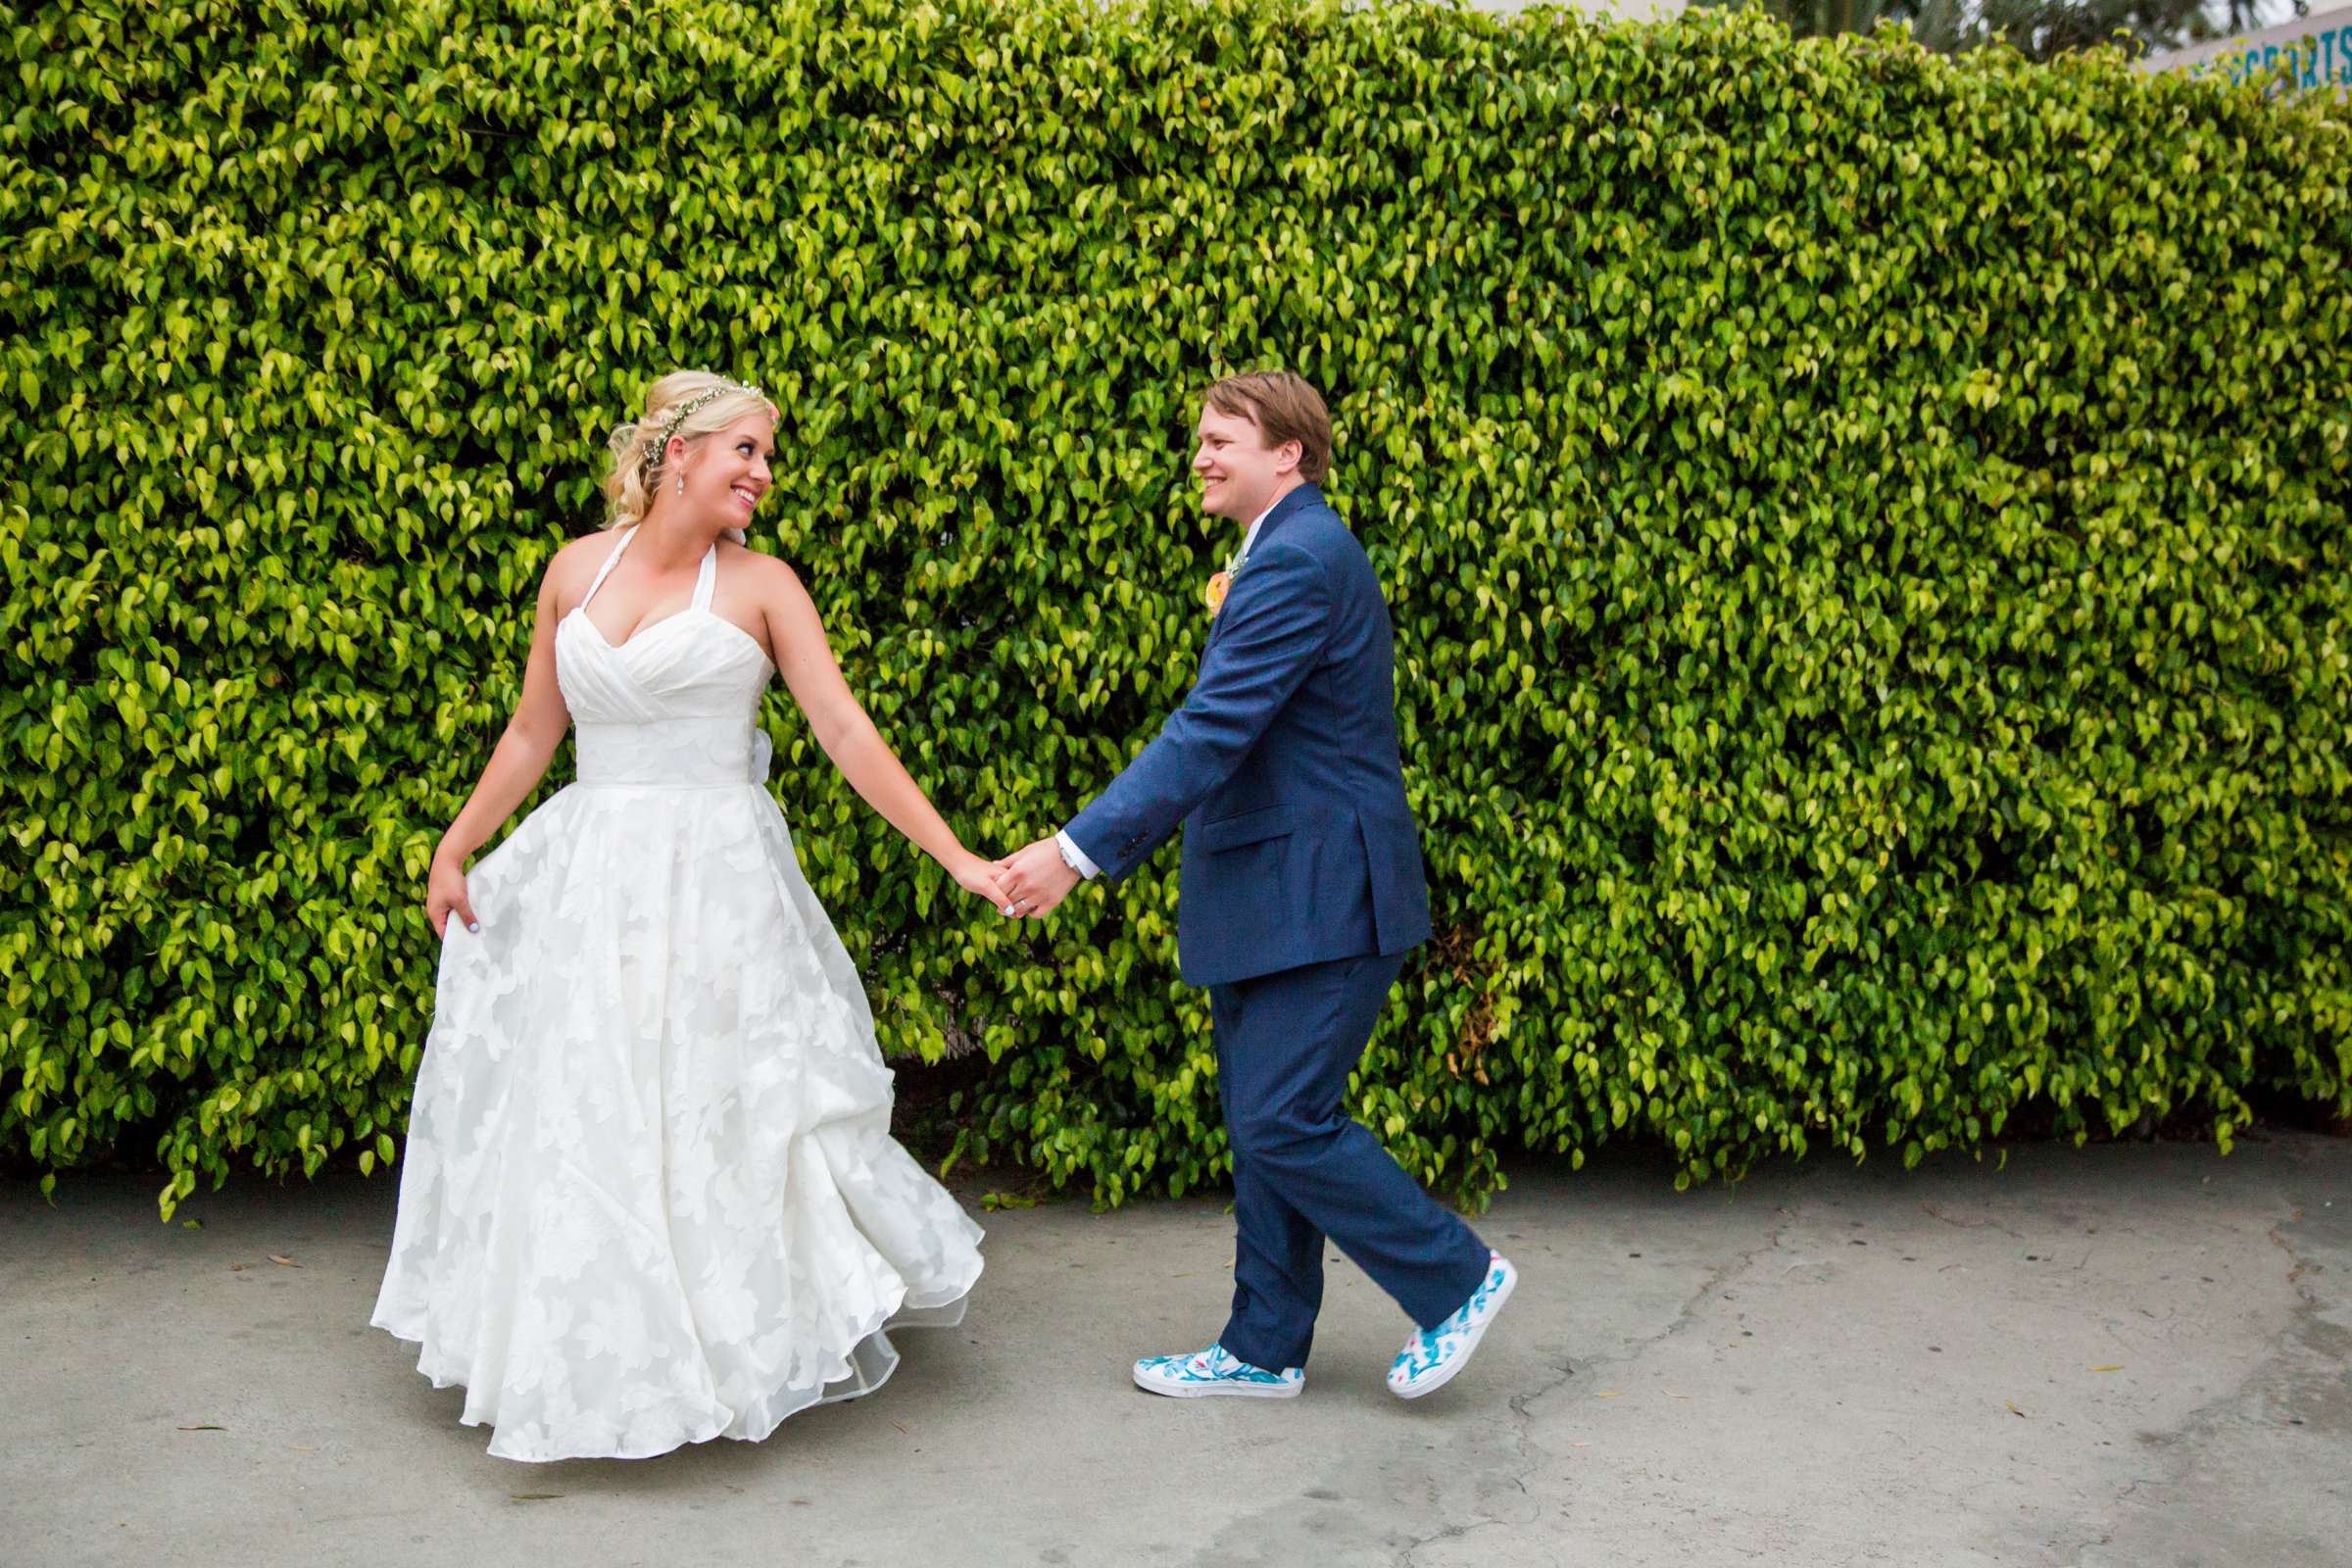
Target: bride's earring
{"type": "Point", "coordinates": [681, 484]}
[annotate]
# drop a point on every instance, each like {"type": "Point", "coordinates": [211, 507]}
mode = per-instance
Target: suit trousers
{"type": "Point", "coordinates": [1304, 1169]}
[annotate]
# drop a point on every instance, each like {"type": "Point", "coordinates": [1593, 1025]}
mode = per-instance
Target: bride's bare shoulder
{"type": "Point", "coordinates": [570, 567]}
{"type": "Point", "coordinates": [761, 574]}
{"type": "Point", "coordinates": [584, 554]}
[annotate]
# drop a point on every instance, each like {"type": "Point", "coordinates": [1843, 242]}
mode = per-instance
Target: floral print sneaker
{"type": "Point", "coordinates": [1432, 1357]}
{"type": "Point", "coordinates": [1216, 1370]}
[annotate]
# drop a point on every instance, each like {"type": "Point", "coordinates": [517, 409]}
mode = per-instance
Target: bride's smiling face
{"type": "Point", "coordinates": [728, 471]}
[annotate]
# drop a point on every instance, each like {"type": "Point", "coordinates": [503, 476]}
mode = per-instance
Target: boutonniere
{"type": "Point", "coordinates": [1221, 583]}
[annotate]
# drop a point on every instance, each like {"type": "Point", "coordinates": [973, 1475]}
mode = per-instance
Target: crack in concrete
{"type": "Point", "coordinates": [1533, 1454]}
{"type": "Point", "coordinates": [2180, 1440]}
{"type": "Point", "coordinates": [1713, 1284]}
{"type": "Point", "coordinates": [1450, 1532]}
{"type": "Point", "coordinates": [1987, 1223]}
{"type": "Point", "coordinates": [2299, 1265]}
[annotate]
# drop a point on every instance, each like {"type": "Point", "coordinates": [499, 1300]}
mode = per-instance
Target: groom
{"type": "Point", "coordinates": [1301, 894]}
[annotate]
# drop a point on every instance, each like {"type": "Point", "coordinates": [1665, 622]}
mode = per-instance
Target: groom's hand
{"type": "Point", "coordinates": [1036, 880]}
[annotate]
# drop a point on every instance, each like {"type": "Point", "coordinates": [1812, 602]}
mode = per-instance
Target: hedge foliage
{"type": "Point", "coordinates": [1867, 535]}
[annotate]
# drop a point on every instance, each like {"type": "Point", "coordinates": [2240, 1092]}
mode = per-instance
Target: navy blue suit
{"type": "Point", "coordinates": [1301, 892]}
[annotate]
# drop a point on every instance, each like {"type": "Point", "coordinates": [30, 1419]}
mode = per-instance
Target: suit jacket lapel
{"type": "Point", "coordinates": [1284, 510]}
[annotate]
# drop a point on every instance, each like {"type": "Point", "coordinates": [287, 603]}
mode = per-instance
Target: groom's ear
{"type": "Point", "coordinates": [1288, 457]}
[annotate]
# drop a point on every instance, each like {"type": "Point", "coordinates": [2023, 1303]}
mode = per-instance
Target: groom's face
{"type": "Point", "coordinates": [1240, 475]}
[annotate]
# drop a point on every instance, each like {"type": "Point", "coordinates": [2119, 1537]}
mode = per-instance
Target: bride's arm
{"type": "Point", "coordinates": [849, 739]}
{"type": "Point", "coordinates": [515, 769]}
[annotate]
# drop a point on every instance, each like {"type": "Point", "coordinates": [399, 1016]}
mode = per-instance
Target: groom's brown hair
{"type": "Point", "coordinates": [1285, 408]}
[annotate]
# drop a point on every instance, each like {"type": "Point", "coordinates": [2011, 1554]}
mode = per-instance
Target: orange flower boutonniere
{"type": "Point", "coordinates": [1221, 583]}
{"type": "Point", "coordinates": [1218, 585]}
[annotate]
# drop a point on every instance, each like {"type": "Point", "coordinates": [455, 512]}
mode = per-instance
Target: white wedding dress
{"type": "Point", "coordinates": [650, 1195]}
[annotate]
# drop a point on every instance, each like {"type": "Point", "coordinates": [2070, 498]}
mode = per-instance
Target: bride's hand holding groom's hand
{"type": "Point", "coordinates": [979, 876]}
{"type": "Point", "coordinates": [1036, 880]}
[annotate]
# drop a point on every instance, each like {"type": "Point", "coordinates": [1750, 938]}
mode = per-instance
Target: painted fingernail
{"type": "Point", "coordinates": [474, 926]}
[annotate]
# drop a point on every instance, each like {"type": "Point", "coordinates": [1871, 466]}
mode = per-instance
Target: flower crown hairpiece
{"type": "Point", "coordinates": [688, 410]}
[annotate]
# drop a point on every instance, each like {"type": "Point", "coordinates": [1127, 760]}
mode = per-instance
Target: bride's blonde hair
{"type": "Point", "coordinates": [684, 403]}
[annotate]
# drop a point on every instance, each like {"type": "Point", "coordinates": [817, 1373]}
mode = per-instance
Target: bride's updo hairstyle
{"type": "Point", "coordinates": [684, 403]}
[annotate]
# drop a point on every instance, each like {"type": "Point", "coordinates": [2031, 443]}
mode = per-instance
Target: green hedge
{"type": "Point", "coordinates": [1867, 536]}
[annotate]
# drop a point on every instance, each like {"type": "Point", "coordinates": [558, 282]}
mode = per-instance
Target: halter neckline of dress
{"type": "Point", "coordinates": [705, 581]}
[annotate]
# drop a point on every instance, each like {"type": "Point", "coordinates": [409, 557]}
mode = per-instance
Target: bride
{"type": "Point", "coordinates": [649, 1195]}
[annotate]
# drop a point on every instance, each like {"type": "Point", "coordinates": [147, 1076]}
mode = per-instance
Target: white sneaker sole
{"type": "Point", "coordinates": [1446, 1374]}
{"type": "Point", "coordinates": [1237, 1390]}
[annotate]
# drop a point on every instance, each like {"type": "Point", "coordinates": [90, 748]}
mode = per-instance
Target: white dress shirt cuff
{"type": "Point", "coordinates": [1075, 858]}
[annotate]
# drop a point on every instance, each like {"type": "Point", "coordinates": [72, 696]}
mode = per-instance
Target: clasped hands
{"type": "Point", "coordinates": [1035, 880]}
{"type": "Point", "coordinates": [1026, 885]}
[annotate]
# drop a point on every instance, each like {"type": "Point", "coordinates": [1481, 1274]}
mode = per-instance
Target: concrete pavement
{"type": "Point", "coordinates": [2130, 1355]}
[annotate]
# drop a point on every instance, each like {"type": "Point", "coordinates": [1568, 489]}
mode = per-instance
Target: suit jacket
{"type": "Point", "coordinates": [1282, 767]}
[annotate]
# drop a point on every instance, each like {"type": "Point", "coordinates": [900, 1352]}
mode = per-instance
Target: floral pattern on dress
{"type": "Point", "coordinates": [650, 1195]}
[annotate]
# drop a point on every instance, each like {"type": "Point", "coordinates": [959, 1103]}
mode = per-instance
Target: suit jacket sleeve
{"type": "Point", "coordinates": [1281, 613]}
